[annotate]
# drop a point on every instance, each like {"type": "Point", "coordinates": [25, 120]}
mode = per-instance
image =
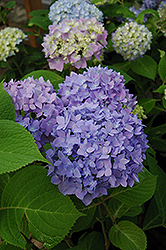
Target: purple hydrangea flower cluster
{"type": "Point", "coordinates": [99, 143]}
{"type": "Point", "coordinates": [37, 106]}
{"type": "Point", "coordinates": [74, 41]}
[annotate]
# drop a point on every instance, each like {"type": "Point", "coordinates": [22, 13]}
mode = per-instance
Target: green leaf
{"type": "Point", "coordinates": [6, 246]}
{"type": "Point", "coordinates": [141, 15]}
{"type": "Point", "coordinates": [158, 143]}
{"type": "Point", "coordinates": [49, 213]}
{"type": "Point", "coordinates": [4, 179]}
{"type": "Point", "coordinates": [162, 53]}
{"type": "Point", "coordinates": [147, 104]}
{"type": "Point", "coordinates": [83, 222]}
{"type": "Point", "coordinates": [111, 10]}
{"type": "Point", "coordinates": [118, 209]}
{"type": "Point", "coordinates": [34, 58]}
{"type": "Point", "coordinates": [17, 147]}
{"type": "Point", "coordinates": [127, 236]}
{"type": "Point", "coordinates": [92, 241]}
{"type": "Point", "coordinates": [39, 12]}
{"type": "Point", "coordinates": [54, 78]}
{"type": "Point", "coordinates": [164, 102]}
{"type": "Point", "coordinates": [127, 78]}
{"type": "Point", "coordinates": [7, 110]}
{"type": "Point", "coordinates": [39, 21]}
{"type": "Point", "coordinates": [139, 193]}
{"type": "Point", "coordinates": [160, 193]}
{"type": "Point", "coordinates": [152, 217]}
{"type": "Point", "coordinates": [161, 68]}
{"type": "Point", "coordinates": [126, 12]}
{"type": "Point", "coordinates": [160, 89]}
{"type": "Point", "coordinates": [10, 5]}
{"type": "Point", "coordinates": [61, 246]}
{"type": "Point", "coordinates": [145, 66]}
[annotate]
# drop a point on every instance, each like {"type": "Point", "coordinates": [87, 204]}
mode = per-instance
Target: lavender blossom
{"type": "Point", "coordinates": [99, 143]}
{"type": "Point", "coordinates": [74, 41]}
{"type": "Point", "coordinates": [36, 105]}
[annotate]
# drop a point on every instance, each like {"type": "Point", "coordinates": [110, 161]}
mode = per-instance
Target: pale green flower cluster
{"type": "Point", "coordinates": [162, 13]}
{"type": "Point", "coordinates": [162, 10]}
{"type": "Point", "coordinates": [131, 40]}
{"type": "Point", "coordinates": [140, 112]}
{"type": "Point", "coordinates": [10, 37]}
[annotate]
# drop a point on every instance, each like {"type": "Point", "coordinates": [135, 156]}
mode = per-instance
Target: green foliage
{"type": "Point", "coordinates": [162, 67]}
{"type": "Point", "coordinates": [145, 66]}
{"type": "Point", "coordinates": [119, 209]}
{"type": "Point", "coordinates": [6, 246]}
{"type": "Point", "coordinates": [141, 15]}
{"type": "Point", "coordinates": [160, 193]}
{"type": "Point", "coordinates": [17, 147]}
{"type": "Point", "coordinates": [148, 104]}
{"type": "Point", "coordinates": [54, 78]}
{"type": "Point", "coordinates": [139, 193]}
{"type": "Point", "coordinates": [40, 19]}
{"type": "Point", "coordinates": [126, 12]}
{"type": "Point", "coordinates": [49, 213]}
{"type": "Point", "coordinates": [86, 221]}
{"type": "Point", "coordinates": [7, 110]}
{"type": "Point", "coordinates": [92, 241]}
{"type": "Point", "coordinates": [127, 236]}
{"type": "Point", "coordinates": [156, 137]}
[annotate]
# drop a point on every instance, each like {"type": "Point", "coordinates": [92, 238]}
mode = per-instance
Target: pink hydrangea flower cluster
{"type": "Point", "coordinates": [74, 41]}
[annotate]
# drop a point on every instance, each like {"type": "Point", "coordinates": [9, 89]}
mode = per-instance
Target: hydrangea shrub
{"type": "Point", "coordinates": [10, 37]}
{"type": "Point", "coordinates": [99, 143]}
{"type": "Point", "coordinates": [74, 41]}
{"type": "Point", "coordinates": [131, 40]}
{"type": "Point", "coordinates": [70, 9]}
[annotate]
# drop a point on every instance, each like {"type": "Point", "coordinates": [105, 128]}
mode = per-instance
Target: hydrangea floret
{"type": "Point", "coordinates": [10, 37]}
{"type": "Point", "coordinates": [139, 111]}
{"type": "Point", "coordinates": [36, 105]}
{"type": "Point", "coordinates": [70, 9]}
{"type": "Point", "coordinates": [162, 10]}
{"type": "Point", "coordinates": [132, 40]}
{"type": "Point", "coordinates": [99, 143]}
{"type": "Point", "coordinates": [74, 41]}
{"type": "Point", "coordinates": [162, 13]}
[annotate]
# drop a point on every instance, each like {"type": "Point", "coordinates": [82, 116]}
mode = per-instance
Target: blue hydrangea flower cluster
{"type": "Point", "coordinates": [69, 9]}
{"type": "Point", "coordinates": [99, 143]}
{"type": "Point", "coordinates": [131, 40]}
{"type": "Point", "coordinates": [36, 105]}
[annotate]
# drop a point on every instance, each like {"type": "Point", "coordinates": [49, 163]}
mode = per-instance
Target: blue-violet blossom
{"type": "Point", "coordinates": [99, 143]}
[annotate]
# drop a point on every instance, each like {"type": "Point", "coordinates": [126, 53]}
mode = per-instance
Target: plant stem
{"type": "Point", "coordinates": [108, 211]}
{"type": "Point", "coordinates": [19, 70]}
{"type": "Point", "coordinates": [103, 228]}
